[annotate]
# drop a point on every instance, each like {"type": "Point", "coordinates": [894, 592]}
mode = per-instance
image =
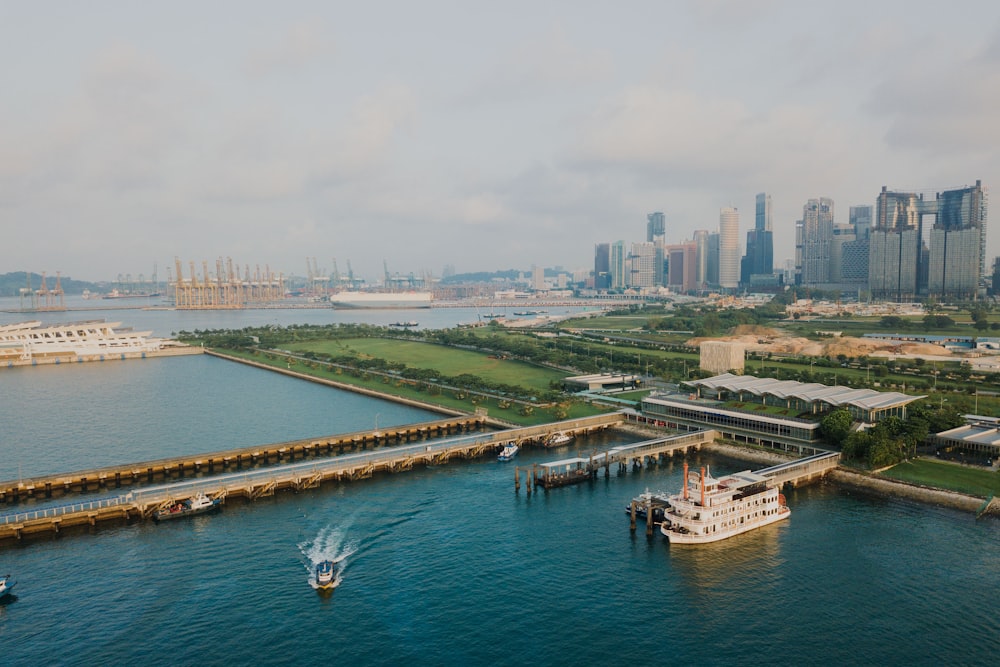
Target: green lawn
{"type": "Point", "coordinates": [445, 360]}
{"type": "Point", "coordinates": [446, 398]}
{"type": "Point", "coordinates": [938, 474]}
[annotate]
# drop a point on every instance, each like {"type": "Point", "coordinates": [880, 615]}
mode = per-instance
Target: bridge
{"type": "Point", "coordinates": [802, 471]}
{"type": "Point", "coordinates": [140, 502]}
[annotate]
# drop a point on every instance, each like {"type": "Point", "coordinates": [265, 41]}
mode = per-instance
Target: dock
{"type": "Point", "coordinates": [351, 459]}
{"type": "Point", "coordinates": [577, 470]}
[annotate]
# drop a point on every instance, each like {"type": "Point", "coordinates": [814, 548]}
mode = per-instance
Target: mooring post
{"type": "Point", "coordinates": [631, 525]}
{"type": "Point", "coordinates": [607, 465]}
{"type": "Point", "coordinates": [517, 479]}
{"type": "Point", "coordinates": [649, 518]}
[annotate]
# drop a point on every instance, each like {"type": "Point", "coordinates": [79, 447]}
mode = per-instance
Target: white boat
{"type": "Point", "coordinates": [559, 439]}
{"type": "Point", "coordinates": [326, 574]}
{"type": "Point", "coordinates": [198, 504]}
{"type": "Point", "coordinates": [508, 452]}
{"type": "Point", "coordinates": [27, 342]}
{"type": "Point", "coordinates": [709, 509]}
{"type": "Point", "coordinates": [361, 299]}
{"type": "Point", "coordinates": [658, 500]}
{"type": "Point", "coordinates": [6, 585]}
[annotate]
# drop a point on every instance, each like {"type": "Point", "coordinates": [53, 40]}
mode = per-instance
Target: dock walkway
{"type": "Point", "coordinates": [140, 502]}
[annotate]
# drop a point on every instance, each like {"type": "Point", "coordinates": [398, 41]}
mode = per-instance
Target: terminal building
{"type": "Point", "coordinates": [775, 413]}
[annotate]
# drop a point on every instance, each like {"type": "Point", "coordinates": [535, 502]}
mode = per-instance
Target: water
{"type": "Point", "coordinates": [448, 565]}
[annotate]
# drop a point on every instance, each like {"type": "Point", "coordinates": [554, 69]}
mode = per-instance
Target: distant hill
{"type": "Point", "coordinates": [12, 283]}
{"type": "Point", "coordinates": [481, 277]}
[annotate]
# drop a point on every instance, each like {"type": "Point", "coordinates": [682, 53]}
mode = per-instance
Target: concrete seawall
{"type": "Point", "coordinates": [896, 489]}
{"type": "Point", "coordinates": [343, 385]}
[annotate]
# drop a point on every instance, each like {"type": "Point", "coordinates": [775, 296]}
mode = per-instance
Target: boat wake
{"type": "Point", "coordinates": [331, 544]}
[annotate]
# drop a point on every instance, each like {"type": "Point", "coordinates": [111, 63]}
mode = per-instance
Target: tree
{"type": "Point", "coordinates": [836, 427]}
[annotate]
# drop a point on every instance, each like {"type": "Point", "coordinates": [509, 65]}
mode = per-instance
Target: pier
{"type": "Point", "coordinates": [577, 470]}
{"type": "Point", "coordinates": [359, 461]}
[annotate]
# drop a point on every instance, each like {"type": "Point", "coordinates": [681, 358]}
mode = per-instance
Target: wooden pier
{"type": "Point", "coordinates": [134, 474]}
{"type": "Point", "coordinates": [284, 474]}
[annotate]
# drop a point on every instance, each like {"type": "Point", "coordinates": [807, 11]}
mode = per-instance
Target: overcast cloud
{"type": "Point", "coordinates": [483, 135]}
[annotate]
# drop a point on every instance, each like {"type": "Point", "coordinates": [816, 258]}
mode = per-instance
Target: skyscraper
{"type": "Point", "coordinates": [656, 227]}
{"type": "Point", "coordinates": [617, 265]}
{"type": "Point", "coordinates": [701, 258]}
{"type": "Point", "coordinates": [729, 248]}
{"type": "Point", "coordinates": [642, 265]}
{"type": "Point", "coordinates": [816, 241]}
{"type": "Point", "coordinates": [762, 258]}
{"type": "Point", "coordinates": [602, 266]}
{"type": "Point", "coordinates": [907, 260]}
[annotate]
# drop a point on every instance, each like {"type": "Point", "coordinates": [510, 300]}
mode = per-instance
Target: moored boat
{"type": "Point", "coordinates": [198, 504]}
{"type": "Point", "coordinates": [658, 501]}
{"type": "Point", "coordinates": [709, 509]}
{"type": "Point", "coordinates": [508, 452]}
{"type": "Point", "coordinates": [325, 574]}
{"type": "Point", "coordinates": [559, 439]}
{"type": "Point", "coordinates": [6, 585]}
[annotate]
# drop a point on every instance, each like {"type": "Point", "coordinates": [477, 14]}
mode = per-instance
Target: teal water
{"type": "Point", "coordinates": [448, 565]}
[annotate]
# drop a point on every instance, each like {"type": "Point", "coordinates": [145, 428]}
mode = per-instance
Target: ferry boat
{"type": "Point", "coordinates": [362, 299]}
{"type": "Point", "coordinates": [559, 439]}
{"type": "Point", "coordinates": [30, 341]}
{"type": "Point", "coordinates": [408, 324]}
{"type": "Point", "coordinates": [709, 509]}
{"type": "Point", "coordinates": [6, 585]}
{"type": "Point", "coordinates": [325, 574]}
{"type": "Point", "coordinates": [508, 452]}
{"type": "Point", "coordinates": [198, 504]}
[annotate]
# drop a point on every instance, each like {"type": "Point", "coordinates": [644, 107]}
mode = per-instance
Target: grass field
{"type": "Point", "coordinates": [938, 474]}
{"type": "Point", "coordinates": [541, 415]}
{"type": "Point", "coordinates": [445, 360]}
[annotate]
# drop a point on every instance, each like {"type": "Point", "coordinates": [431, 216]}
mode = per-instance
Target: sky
{"type": "Point", "coordinates": [486, 136]}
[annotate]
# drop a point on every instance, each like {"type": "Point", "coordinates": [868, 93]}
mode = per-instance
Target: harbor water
{"type": "Point", "coordinates": [448, 565]}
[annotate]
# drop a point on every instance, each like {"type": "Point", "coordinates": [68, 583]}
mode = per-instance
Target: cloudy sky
{"type": "Point", "coordinates": [484, 135]}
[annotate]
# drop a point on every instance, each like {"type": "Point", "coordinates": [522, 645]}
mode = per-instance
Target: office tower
{"type": "Point", "coordinates": [909, 259]}
{"type": "Point", "coordinates": [712, 260]}
{"type": "Point", "coordinates": [729, 248]}
{"type": "Point", "coordinates": [642, 265]}
{"type": "Point", "coordinates": [682, 266]}
{"type": "Point", "coordinates": [816, 241]}
{"type": "Point", "coordinates": [762, 262]}
{"type": "Point", "coordinates": [656, 227]}
{"type": "Point", "coordinates": [617, 265]}
{"type": "Point", "coordinates": [701, 258]}
{"type": "Point", "coordinates": [602, 266]}
{"type": "Point", "coordinates": [852, 260]}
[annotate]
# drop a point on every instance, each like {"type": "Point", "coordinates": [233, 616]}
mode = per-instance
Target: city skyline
{"type": "Point", "coordinates": [446, 134]}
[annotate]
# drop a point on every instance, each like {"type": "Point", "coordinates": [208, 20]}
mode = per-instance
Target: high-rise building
{"type": "Point", "coordinates": [642, 265]}
{"type": "Point", "coordinates": [701, 258]}
{"type": "Point", "coordinates": [602, 266]}
{"type": "Point", "coordinates": [682, 263]}
{"type": "Point", "coordinates": [729, 248]}
{"type": "Point", "coordinates": [617, 265]}
{"type": "Point", "coordinates": [909, 260]}
{"type": "Point", "coordinates": [816, 241]}
{"type": "Point", "coordinates": [712, 259]}
{"type": "Point", "coordinates": [656, 227]}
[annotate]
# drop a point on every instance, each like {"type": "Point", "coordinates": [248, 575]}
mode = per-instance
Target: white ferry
{"type": "Point", "coordinates": [27, 342]}
{"type": "Point", "coordinates": [397, 300]}
{"type": "Point", "coordinates": [710, 509]}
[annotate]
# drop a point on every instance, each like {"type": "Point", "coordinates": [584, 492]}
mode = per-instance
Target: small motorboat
{"type": "Point", "coordinates": [558, 440]}
{"type": "Point", "coordinates": [6, 585]}
{"type": "Point", "coordinates": [198, 504]}
{"type": "Point", "coordinates": [508, 452]}
{"type": "Point", "coordinates": [325, 574]}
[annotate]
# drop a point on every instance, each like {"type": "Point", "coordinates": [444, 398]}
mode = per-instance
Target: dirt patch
{"type": "Point", "coordinates": [762, 339]}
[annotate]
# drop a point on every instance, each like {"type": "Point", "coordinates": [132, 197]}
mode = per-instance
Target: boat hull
{"type": "Point", "coordinates": [167, 515]}
{"type": "Point", "coordinates": [676, 537]}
